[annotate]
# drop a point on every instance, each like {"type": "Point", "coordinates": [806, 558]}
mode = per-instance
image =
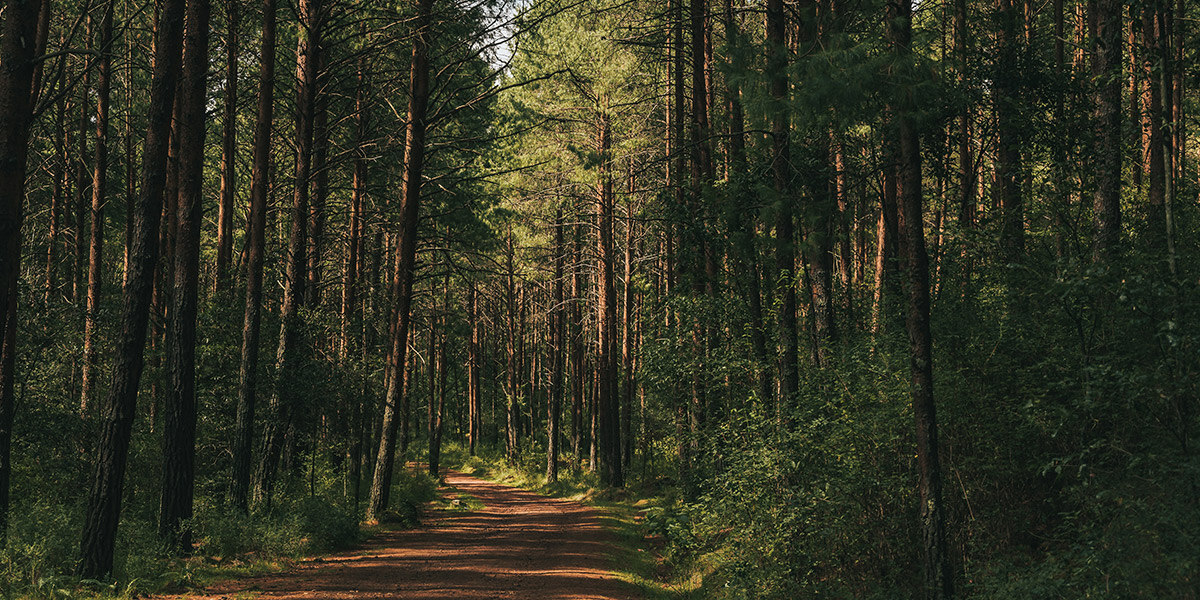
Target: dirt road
{"type": "Point", "coordinates": [520, 545]}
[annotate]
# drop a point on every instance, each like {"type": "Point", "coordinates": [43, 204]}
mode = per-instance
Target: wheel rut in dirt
{"type": "Point", "coordinates": [520, 545]}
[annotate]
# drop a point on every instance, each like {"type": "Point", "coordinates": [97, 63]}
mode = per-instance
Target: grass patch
{"type": "Point", "coordinates": [38, 562]}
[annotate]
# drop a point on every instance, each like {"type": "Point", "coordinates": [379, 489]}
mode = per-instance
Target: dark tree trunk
{"type": "Point", "coordinates": [474, 406]}
{"type": "Point", "coordinates": [511, 425]}
{"type": "Point", "coordinates": [437, 414]}
{"type": "Point", "coordinates": [1156, 223]}
{"type": "Point", "coordinates": [225, 208]}
{"type": "Point", "coordinates": [91, 354]}
{"type": "Point", "coordinates": [785, 249]}
{"type": "Point", "coordinates": [350, 296]}
{"type": "Point", "coordinates": [966, 164]}
{"type": "Point", "coordinates": [288, 355]}
{"type": "Point", "coordinates": [320, 189]}
{"type": "Point", "coordinates": [414, 162]}
{"type": "Point", "coordinates": [17, 53]}
{"type": "Point", "coordinates": [577, 370]}
{"type": "Point", "coordinates": [257, 221]}
{"type": "Point", "coordinates": [745, 227]}
{"type": "Point", "coordinates": [1006, 96]}
{"type": "Point", "coordinates": [57, 200]}
{"type": "Point", "coordinates": [83, 179]}
{"type": "Point", "coordinates": [179, 431]}
{"type": "Point", "coordinates": [104, 501]}
{"type": "Point", "coordinates": [557, 329]}
{"type": "Point", "coordinates": [627, 350]}
{"type": "Point", "coordinates": [608, 431]}
{"type": "Point", "coordinates": [938, 576]}
{"type": "Point", "coordinates": [1105, 23]}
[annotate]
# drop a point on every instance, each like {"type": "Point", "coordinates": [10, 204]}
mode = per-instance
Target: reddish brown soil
{"type": "Point", "coordinates": [521, 545]}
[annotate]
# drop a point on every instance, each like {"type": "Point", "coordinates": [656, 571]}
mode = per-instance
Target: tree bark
{"type": "Point", "coordinates": [627, 350]}
{"type": "Point", "coordinates": [437, 416]}
{"type": "Point", "coordinates": [1008, 146]}
{"type": "Point", "coordinates": [607, 400]}
{"type": "Point", "coordinates": [17, 54]}
{"type": "Point", "coordinates": [320, 188]}
{"type": "Point", "coordinates": [1105, 26]}
{"type": "Point", "coordinates": [577, 369]}
{"type": "Point", "coordinates": [785, 249]}
{"type": "Point", "coordinates": [414, 162]}
{"type": "Point", "coordinates": [257, 222]}
{"type": "Point", "coordinates": [474, 406]}
{"type": "Point", "coordinates": [225, 208]}
{"type": "Point", "coordinates": [104, 500]}
{"type": "Point", "coordinates": [1155, 67]}
{"type": "Point", "coordinates": [557, 327]}
{"type": "Point", "coordinates": [288, 356]}
{"type": "Point", "coordinates": [91, 354]}
{"type": "Point", "coordinates": [179, 432]}
{"type": "Point", "coordinates": [938, 576]}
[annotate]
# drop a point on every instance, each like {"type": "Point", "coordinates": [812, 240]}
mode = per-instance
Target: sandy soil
{"type": "Point", "coordinates": [521, 545]}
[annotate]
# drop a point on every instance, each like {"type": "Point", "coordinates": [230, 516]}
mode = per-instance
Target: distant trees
{"type": "Point", "coordinates": [884, 281]}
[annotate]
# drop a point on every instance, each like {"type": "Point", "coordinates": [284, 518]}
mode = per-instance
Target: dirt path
{"type": "Point", "coordinates": [521, 545]}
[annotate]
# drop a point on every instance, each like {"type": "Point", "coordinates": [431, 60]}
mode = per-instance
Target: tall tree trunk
{"type": "Point", "coordinates": [437, 415]}
{"type": "Point", "coordinates": [320, 188]}
{"type": "Point", "coordinates": [414, 162]}
{"type": "Point", "coordinates": [257, 222]}
{"type": "Point", "coordinates": [627, 317]}
{"type": "Point", "coordinates": [17, 54]}
{"type": "Point", "coordinates": [745, 227]}
{"type": "Point", "coordinates": [179, 433]}
{"type": "Point", "coordinates": [358, 185]}
{"type": "Point", "coordinates": [57, 199]}
{"type": "Point", "coordinates": [577, 349]}
{"type": "Point", "coordinates": [1105, 23]}
{"type": "Point", "coordinates": [91, 354]}
{"type": "Point", "coordinates": [104, 501]}
{"type": "Point", "coordinates": [557, 327]}
{"type": "Point", "coordinates": [288, 355]}
{"type": "Point", "coordinates": [83, 179]}
{"type": "Point", "coordinates": [966, 164]}
{"type": "Point", "coordinates": [225, 207]}
{"type": "Point", "coordinates": [607, 401]}
{"type": "Point", "coordinates": [819, 217]}
{"type": "Point", "coordinates": [1155, 68]}
{"type": "Point", "coordinates": [1008, 146]}
{"type": "Point", "coordinates": [785, 249]}
{"type": "Point", "coordinates": [511, 425]}
{"type": "Point", "coordinates": [938, 576]}
{"type": "Point", "coordinates": [474, 407]}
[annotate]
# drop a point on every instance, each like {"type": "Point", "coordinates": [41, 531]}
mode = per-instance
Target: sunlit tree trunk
{"type": "Point", "coordinates": [414, 162]}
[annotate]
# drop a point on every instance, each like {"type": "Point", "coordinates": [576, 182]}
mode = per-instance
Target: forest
{"type": "Point", "coordinates": [854, 298]}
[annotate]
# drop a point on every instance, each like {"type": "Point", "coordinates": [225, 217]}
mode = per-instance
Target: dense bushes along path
{"type": "Point", "coordinates": [519, 545]}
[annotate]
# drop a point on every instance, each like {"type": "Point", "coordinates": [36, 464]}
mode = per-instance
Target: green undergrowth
{"type": "Point", "coordinates": [39, 560]}
{"type": "Point", "coordinates": [637, 556]}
